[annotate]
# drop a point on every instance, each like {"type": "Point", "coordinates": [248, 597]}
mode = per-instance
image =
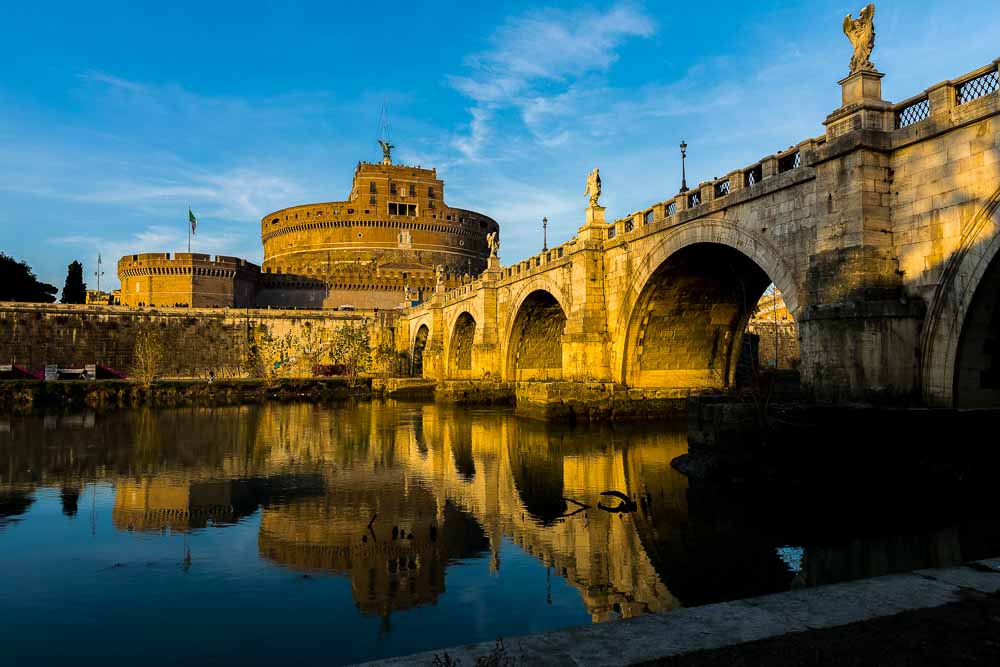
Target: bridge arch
{"type": "Point", "coordinates": [463, 336]}
{"type": "Point", "coordinates": [417, 349]}
{"type": "Point", "coordinates": [534, 336]}
{"type": "Point", "coordinates": [690, 298]}
{"type": "Point", "coordinates": [960, 343]}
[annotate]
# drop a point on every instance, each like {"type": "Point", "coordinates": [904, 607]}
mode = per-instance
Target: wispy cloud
{"type": "Point", "coordinates": [534, 63]}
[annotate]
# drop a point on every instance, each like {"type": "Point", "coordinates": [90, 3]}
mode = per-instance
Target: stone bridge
{"type": "Point", "coordinates": [881, 233]}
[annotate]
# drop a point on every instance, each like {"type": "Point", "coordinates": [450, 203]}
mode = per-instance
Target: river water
{"type": "Point", "coordinates": [351, 532]}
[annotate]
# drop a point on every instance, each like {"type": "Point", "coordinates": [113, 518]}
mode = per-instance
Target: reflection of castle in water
{"type": "Point", "coordinates": [458, 486]}
{"type": "Point", "coordinates": [389, 496]}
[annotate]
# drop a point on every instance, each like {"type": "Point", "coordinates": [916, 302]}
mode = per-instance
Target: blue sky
{"type": "Point", "coordinates": [116, 116]}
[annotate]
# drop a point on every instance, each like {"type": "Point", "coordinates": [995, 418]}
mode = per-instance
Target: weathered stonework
{"type": "Point", "coordinates": [197, 340]}
{"type": "Point", "coordinates": [880, 234]}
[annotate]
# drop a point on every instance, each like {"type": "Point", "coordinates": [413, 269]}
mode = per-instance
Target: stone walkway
{"type": "Point", "coordinates": [664, 638]}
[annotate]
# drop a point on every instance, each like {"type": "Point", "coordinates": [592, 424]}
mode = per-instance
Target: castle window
{"type": "Point", "coordinates": [402, 209]}
{"type": "Point", "coordinates": [371, 187]}
{"type": "Point", "coordinates": [413, 190]}
{"type": "Point", "coordinates": [392, 188]}
{"type": "Point", "coordinates": [350, 211]}
{"type": "Point", "coordinates": [274, 222]}
{"type": "Point", "coordinates": [430, 193]}
{"type": "Point", "coordinates": [371, 200]}
{"type": "Point", "coordinates": [430, 205]}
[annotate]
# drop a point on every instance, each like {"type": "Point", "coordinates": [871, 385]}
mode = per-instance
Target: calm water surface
{"type": "Point", "coordinates": [276, 532]}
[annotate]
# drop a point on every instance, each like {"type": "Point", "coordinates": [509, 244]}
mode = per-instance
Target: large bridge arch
{"type": "Point", "coordinates": [694, 292]}
{"type": "Point", "coordinates": [961, 335]}
{"type": "Point", "coordinates": [534, 334]}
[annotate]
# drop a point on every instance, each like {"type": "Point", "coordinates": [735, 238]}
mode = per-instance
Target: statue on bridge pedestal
{"type": "Point", "coordinates": [594, 187]}
{"type": "Point", "coordinates": [439, 276]}
{"type": "Point", "coordinates": [493, 243]}
{"type": "Point", "coordinates": [861, 32]}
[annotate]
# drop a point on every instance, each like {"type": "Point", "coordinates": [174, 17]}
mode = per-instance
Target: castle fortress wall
{"type": "Point", "coordinates": [187, 278]}
{"type": "Point", "coordinates": [197, 340]}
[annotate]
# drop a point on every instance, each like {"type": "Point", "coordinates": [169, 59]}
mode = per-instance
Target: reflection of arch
{"type": "Point", "coordinates": [419, 343]}
{"type": "Point", "coordinates": [534, 349]}
{"type": "Point", "coordinates": [969, 267]}
{"type": "Point", "coordinates": [688, 320]}
{"type": "Point", "coordinates": [538, 474]}
{"type": "Point", "coordinates": [755, 250]}
{"type": "Point", "coordinates": [462, 337]}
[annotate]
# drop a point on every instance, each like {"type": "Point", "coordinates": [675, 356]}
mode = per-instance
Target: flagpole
{"type": "Point", "coordinates": [189, 230]}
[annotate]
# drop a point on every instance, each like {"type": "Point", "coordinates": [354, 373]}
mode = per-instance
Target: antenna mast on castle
{"type": "Point", "coordinates": [384, 139]}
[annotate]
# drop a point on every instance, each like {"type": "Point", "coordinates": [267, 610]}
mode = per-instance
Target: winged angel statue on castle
{"type": "Point", "coordinates": [861, 32]}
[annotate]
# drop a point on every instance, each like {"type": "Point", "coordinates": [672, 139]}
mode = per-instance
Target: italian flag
{"type": "Point", "coordinates": [193, 220]}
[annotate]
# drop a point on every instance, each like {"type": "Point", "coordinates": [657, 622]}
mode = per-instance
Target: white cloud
{"type": "Point", "coordinates": [534, 62]}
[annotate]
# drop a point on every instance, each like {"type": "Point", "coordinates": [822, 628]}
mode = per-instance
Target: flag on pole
{"type": "Point", "coordinates": [193, 220]}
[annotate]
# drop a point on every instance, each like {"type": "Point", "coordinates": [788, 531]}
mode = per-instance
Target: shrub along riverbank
{"type": "Point", "coordinates": [27, 395]}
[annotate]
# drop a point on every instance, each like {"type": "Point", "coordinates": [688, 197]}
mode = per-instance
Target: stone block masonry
{"type": "Point", "coordinates": [197, 340]}
{"type": "Point", "coordinates": [882, 235]}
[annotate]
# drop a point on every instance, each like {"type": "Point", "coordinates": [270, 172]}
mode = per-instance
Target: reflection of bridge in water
{"type": "Point", "coordinates": [389, 496]}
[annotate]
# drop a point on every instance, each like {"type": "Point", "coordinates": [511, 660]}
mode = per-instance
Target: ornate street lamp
{"type": "Point", "coordinates": [684, 185]}
{"type": "Point", "coordinates": [545, 234]}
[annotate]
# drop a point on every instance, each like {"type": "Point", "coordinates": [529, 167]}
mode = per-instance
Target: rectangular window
{"type": "Point", "coordinates": [371, 199]}
{"type": "Point", "coordinates": [392, 188]}
{"type": "Point", "coordinates": [402, 209]}
{"type": "Point", "coordinates": [371, 187]}
{"type": "Point", "coordinates": [413, 190]}
{"type": "Point", "coordinates": [430, 193]}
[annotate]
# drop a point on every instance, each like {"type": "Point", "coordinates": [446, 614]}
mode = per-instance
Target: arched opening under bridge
{"type": "Point", "coordinates": [689, 326]}
{"type": "Point", "coordinates": [419, 344]}
{"type": "Point", "coordinates": [462, 337]}
{"type": "Point", "coordinates": [535, 349]}
{"type": "Point", "coordinates": [977, 361]}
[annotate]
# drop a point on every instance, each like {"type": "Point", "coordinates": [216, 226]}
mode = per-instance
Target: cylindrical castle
{"type": "Point", "coordinates": [389, 235]}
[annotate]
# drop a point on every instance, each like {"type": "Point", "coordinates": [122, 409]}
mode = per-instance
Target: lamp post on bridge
{"type": "Point", "coordinates": [545, 234]}
{"type": "Point", "coordinates": [684, 185]}
{"type": "Point", "coordinates": [99, 273]}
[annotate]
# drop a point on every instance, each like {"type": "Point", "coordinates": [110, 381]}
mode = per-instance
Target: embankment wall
{"type": "Point", "coordinates": [197, 340]}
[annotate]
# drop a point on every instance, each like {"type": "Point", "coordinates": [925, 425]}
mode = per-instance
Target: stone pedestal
{"type": "Point", "coordinates": [860, 87]}
{"type": "Point", "coordinates": [595, 226]}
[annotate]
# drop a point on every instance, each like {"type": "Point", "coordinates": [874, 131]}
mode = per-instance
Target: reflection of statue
{"type": "Point", "coordinates": [594, 187]}
{"type": "Point", "coordinates": [861, 32]}
{"type": "Point", "coordinates": [386, 151]}
{"type": "Point", "coordinates": [493, 243]}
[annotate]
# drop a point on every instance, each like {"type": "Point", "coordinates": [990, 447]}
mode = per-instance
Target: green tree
{"type": "Point", "coordinates": [18, 283]}
{"type": "Point", "coordinates": [75, 290]}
